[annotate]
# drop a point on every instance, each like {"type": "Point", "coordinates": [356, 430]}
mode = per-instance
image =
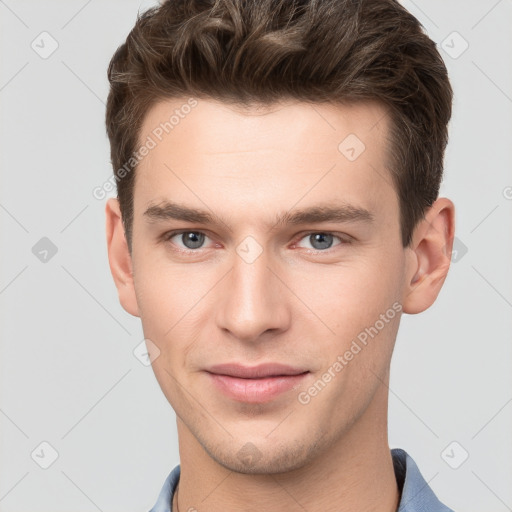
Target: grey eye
{"type": "Point", "coordinates": [192, 239]}
{"type": "Point", "coordinates": [321, 241]}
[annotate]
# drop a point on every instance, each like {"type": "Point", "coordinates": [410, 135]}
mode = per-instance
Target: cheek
{"type": "Point", "coordinates": [359, 304]}
{"type": "Point", "coordinates": [164, 297]}
{"type": "Point", "coordinates": [173, 300]}
{"type": "Point", "coordinates": [349, 297]}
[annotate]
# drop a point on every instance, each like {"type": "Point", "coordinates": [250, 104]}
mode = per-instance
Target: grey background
{"type": "Point", "coordinates": [68, 373]}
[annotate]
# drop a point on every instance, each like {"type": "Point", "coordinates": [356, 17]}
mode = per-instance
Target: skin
{"type": "Point", "coordinates": [298, 303]}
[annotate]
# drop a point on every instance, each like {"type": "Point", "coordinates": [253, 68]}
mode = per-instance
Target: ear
{"type": "Point", "coordinates": [429, 257]}
{"type": "Point", "coordinates": [119, 257]}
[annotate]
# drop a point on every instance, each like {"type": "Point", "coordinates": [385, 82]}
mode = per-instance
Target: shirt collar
{"type": "Point", "coordinates": [417, 496]}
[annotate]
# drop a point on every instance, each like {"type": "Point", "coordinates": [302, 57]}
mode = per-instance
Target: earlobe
{"type": "Point", "coordinates": [429, 260]}
{"type": "Point", "coordinates": [119, 257]}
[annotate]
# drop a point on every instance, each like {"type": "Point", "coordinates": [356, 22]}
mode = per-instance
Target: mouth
{"type": "Point", "coordinates": [256, 384]}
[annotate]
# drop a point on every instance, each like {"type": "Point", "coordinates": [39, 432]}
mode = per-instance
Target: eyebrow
{"type": "Point", "coordinates": [168, 210]}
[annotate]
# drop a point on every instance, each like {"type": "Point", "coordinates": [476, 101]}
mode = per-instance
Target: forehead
{"type": "Point", "coordinates": [264, 153]}
{"type": "Point", "coordinates": [218, 126]}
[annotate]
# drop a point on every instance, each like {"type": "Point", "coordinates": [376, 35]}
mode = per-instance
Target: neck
{"type": "Point", "coordinates": [354, 473]}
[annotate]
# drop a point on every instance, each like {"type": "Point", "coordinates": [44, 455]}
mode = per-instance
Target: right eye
{"type": "Point", "coordinates": [190, 240]}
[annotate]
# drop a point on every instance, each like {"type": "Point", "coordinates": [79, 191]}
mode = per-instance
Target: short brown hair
{"type": "Point", "coordinates": [262, 51]}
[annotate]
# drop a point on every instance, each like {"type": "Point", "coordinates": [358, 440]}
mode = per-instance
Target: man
{"type": "Point", "coordinates": [278, 166]}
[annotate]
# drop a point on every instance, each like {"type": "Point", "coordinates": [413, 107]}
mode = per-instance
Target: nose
{"type": "Point", "coordinates": [253, 302]}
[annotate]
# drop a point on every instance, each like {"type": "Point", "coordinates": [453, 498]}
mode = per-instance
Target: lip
{"type": "Point", "coordinates": [255, 384]}
{"type": "Point", "coordinates": [255, 372]}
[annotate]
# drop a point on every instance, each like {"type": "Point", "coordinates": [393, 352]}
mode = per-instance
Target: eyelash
{"type": "Point", "coordinates": [344, 240]}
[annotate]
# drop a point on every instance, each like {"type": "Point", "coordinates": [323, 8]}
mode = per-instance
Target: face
{"type": "Point", "coordinates": [292, 255]}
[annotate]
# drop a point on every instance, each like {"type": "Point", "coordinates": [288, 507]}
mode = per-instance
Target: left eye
{"type": "Point", "coordinates": [321, 241]}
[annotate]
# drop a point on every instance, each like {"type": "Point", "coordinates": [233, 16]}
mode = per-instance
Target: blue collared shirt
{"type": "Point", "coordinates": [417, 496]}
